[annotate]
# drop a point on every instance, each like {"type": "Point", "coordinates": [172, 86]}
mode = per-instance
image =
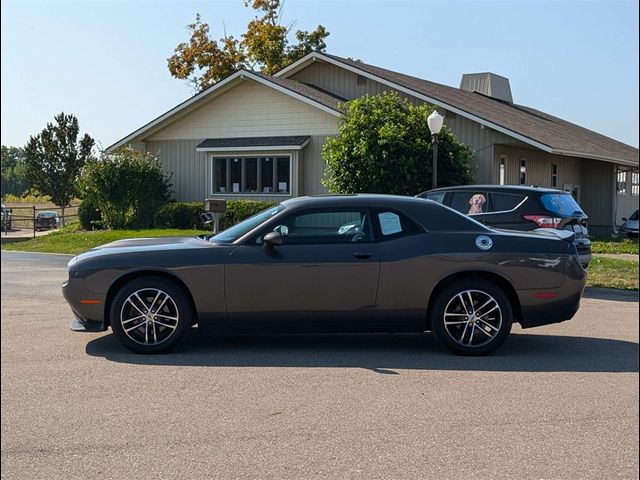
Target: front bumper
{"type": "Point", "coordinates": [88, 308]}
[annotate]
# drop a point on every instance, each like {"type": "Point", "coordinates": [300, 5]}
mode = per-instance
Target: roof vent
{"type": "Point", "coordinates": [488, 84]}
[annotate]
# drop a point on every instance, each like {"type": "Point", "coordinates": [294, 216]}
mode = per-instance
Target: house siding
{"type": "Point", "coordinates": [598, 187]}
{"type": "Point", "coordinates": [249, 110]}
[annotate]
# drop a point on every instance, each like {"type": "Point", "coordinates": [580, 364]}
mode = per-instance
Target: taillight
{"type": "Point", "coordinates": [544, 221]}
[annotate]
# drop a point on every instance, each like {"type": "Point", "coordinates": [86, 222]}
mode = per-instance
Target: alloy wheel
{"type": "Point", "coordinates": [149, 316]}
{"type": "Point", "coordinates": [472, 318]}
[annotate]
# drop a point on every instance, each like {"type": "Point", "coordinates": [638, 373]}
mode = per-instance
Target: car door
{"type": "Point", "coordinates": [323, 277]}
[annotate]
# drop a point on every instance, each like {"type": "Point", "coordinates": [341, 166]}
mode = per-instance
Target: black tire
{"type": "Point", "coordinates": [156, 331]}
{"type": "Point", "coordinates": [467, 333]}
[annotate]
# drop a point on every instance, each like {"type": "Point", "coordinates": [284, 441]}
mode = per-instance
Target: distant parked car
{"type": "Point", "coordinates": [6, 218]}
{"type": "Point", "coordinates": [47, 220]}
{"type": "Point", "coordinates": [630, 225]}
{"type": "Point", "coordinates": [519, 208]}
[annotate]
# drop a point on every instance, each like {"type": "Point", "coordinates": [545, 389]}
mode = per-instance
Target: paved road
{"type": "Point", "coordinates": [555, 402]}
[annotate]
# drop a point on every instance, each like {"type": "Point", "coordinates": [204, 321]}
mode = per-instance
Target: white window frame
{"type": "Point", "coordinates": [554, 175]}
{"type": "Point", "coordinates": [502, 169]}
{"type": "Point", "coordinates": [621, 174]}
{"type": "Point", "coordinates": [635, 183]}
{"type": "Point", "coordinates": [212, 159]}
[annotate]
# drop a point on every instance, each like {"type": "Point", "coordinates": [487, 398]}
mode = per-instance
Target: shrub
{"type": "Point", "coordinates": [384, 146]}
{"type": "Point", "coordinates": [128, 187]}
{"type": "Point", "coordinates": [179, 215]}
{"type": "Point", "coordinates": [238, 210]}
{"type": "Point", "coordinates": [187, 214]}
{"type": "Point", "coordinates": [89, 214]}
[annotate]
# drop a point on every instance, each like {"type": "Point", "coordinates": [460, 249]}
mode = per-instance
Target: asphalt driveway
{"type": "Point", "coordinates": [554, 402]}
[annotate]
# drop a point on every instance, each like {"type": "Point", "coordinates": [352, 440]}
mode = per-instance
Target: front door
{"type": "Point", "coordinates": [323, 277]}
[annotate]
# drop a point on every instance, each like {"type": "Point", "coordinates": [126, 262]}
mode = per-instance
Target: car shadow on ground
{"type": "Point", "coordinates": [383, 353]}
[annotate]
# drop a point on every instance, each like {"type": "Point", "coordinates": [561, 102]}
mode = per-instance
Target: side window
{"type": "Point", "coordinates": [325, 226]}
{"type": "Point", "coordinates": [470, 202]}
{"type": "Point", "coordinates": [436, 197]}
{"type": "Point", "coordinates": [504, 202]}
{"type": "Point", "coordinates": [393, 225]}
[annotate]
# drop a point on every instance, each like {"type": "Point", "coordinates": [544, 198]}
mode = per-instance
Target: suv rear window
{"type": "Point", "coordinates": [560, 204]}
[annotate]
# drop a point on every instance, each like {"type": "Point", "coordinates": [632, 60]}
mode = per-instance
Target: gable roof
{"type": "Point", "coordinates": [539, 129]}
{"type": "Point", "coordinates": [300, 91]}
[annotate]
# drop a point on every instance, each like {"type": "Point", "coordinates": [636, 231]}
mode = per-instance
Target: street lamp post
{"type": "Point", "coordinates": [435, 121]}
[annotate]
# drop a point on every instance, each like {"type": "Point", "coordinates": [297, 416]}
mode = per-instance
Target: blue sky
{"type": "Point", "coordinates": [105, 62]}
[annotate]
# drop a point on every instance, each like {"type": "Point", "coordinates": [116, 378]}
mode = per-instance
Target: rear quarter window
{"type": "Point", "coordinates": [394, 224]}
{"type": "Point", "coordinates": [504, 202]}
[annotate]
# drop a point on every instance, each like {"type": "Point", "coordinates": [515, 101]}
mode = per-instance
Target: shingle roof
{"type": "Point", "coordinates": [286, 141]}
{"type": "Point", "coordinates": [560, 135]}
{"type": "Point", "coordinates": [303, 89]}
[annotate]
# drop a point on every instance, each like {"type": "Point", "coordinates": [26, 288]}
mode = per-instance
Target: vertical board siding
{"type": "Point", "coordinates": [187, 167]}
{"type": "Point", "coordinates": [539, 167]}
{"type": "Point", "coordinates": [313, 167]}
{"type": "Point", "coordinates": [598, 192]}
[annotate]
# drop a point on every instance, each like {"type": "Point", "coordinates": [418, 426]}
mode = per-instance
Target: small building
{"type": "Point", "coordinates": [260, 136]}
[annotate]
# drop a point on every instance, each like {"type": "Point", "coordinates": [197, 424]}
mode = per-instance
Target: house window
{"type": "Point", "coordinates": [503, 168]}
{"type": "Point", "coordinates": [554, 175]}
{"type": "Point", "coordinates": [523, 171]}
{"type": "Point", "coordinates": [251, 175]}
{"type": "Point", "coordinates": [621, 183]}
{"type": "Point", "coordinates": [635, 184]}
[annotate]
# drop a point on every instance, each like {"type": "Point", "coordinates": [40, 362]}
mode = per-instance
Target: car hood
{"type": "Point", "coordinates": [132, 246]}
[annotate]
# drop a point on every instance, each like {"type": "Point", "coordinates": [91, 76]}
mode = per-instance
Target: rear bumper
{"type": "Point", "coordinates": [553, 305]}
{"type": "Point", "coordinates": [552, 312]}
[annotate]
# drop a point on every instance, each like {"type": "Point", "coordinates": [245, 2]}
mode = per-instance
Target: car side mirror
{"type": "Point", "coordinates": [624, 219]}
{"type": "Point", "coordinates": [272, 239]}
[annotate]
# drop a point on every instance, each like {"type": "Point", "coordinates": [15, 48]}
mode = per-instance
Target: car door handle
{"type": "Point", "coordinates": [362, 255]}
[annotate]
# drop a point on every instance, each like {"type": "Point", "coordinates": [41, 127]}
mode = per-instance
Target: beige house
{"type": "Point", "coordinates": [260, 137]}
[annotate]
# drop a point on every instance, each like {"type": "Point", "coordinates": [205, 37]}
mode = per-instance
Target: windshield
{"type": "Point", "coordinates": [560, 204]}
{"type": "Point", "coordinates": [231, 234]}
{"type": "Point", "coordinates": [634, 216]}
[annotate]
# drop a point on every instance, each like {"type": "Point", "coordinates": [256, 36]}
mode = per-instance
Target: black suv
{"type": "Point", "coordinates": [519, 208]}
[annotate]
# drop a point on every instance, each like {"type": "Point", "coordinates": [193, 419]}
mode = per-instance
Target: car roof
{"type": "Point", "coordinates": [508, 188]}
{"type": "Point", "coordinates": [362, 199]}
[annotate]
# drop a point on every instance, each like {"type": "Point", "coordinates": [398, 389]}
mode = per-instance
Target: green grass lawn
{"type": "Point", "coordinates": [615, 246]}
{"type": "Point", "coordinates": [74, 241]}
{"type": "Point", "coordinates": [613, 273]}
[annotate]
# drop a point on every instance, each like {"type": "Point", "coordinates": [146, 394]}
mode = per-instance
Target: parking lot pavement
{"type": "Point", "coordinates": [554, 402]}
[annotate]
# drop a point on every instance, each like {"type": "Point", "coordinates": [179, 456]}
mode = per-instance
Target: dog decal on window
{"type": "Point", "coordinates": [477, 202]}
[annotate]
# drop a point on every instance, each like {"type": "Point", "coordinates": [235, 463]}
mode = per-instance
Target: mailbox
{"type": "Point", "coordinates": [215, 205]}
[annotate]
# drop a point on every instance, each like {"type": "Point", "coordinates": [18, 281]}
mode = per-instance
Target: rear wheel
{"type": "Point", "coordinates": [150, 315]}
{"type": "Point", "coordinates": [472, 317]}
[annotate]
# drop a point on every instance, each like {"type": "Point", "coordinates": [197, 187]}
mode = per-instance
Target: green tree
{"type": "Point", "coordinates": [127, 186]}
{"type": "Point", "coordinates": [54, 158]}
{"type": "Point", "coordinates": [384, 146]}
{"type": "Point", "coordinates": [265, 46]}
{"type": "Point", "coordinates": [14, 181]}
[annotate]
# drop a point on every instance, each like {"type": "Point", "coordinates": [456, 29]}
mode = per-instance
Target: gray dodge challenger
{"type": "Point", "coordinates": [349, 263]}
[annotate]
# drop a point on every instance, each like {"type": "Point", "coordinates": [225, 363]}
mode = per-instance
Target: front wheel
{"type": "Point", "coordinates": [150, 315]}
{"type": "Point", "coordinates": [472, 317]}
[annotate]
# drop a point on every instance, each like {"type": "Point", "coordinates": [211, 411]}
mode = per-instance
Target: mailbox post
{"type": "Point", "coordinates": [215, 207]}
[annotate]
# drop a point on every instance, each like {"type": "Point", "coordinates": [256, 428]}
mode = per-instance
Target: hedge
{"type": "Point", "coordinates": [179, 215]}
{"type": "Point", "coordinates": [89, 215]}
{"type": "Point", "coordinates": [187, 214]}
